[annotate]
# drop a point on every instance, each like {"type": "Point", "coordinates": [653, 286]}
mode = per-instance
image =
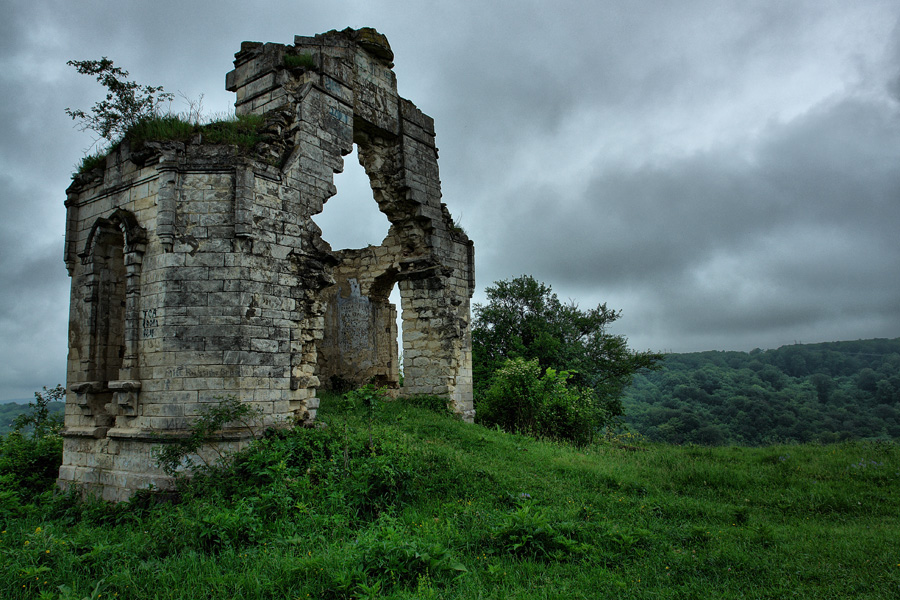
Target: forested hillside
{"type": "Point", "coordinates": [10, 410]}
{"type": "Point", "coordinates": [803, 392]}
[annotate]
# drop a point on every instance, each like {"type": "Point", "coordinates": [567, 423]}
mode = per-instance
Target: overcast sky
{"type": "Point", "coordinates": [727, 173]}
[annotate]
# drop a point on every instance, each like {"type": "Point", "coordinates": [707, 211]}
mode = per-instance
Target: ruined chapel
{"type": "Point", "coordinates": [198, 273]}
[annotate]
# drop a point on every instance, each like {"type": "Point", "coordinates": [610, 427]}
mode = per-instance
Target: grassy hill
{"type": "Point", "coordinates": [435, 508]}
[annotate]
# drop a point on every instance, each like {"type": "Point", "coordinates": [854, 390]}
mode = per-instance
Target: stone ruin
{"type": "Point", "coordinates": [198, 273]}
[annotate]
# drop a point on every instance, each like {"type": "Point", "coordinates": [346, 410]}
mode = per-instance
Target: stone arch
{"type": "Point", "coordinates": [360, 337]}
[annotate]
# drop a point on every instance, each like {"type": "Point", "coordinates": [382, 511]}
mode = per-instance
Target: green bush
{"type": "Point", "coordinates": [521, 400]}
{"type": "Point", "coordinates": [515, 397]}
{"type": "Point", "coordinates": [31, 464]}
{"type": "Point", "coordinates": [30, 456]}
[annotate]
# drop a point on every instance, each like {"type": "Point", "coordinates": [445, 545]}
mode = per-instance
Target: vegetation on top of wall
{"type": "Point", "coordinates": [127, 103]}
{"type": "Point", "coordinates": [135, 113]}
{"type": "Point", "coordinates": [242, 131]}
{"type": "Point", "coordinates": [91, 162]}
{"type": "Point", "coordinates": [305, 60]}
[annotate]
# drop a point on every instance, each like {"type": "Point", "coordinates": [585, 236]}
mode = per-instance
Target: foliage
{"type": "Point", "coordinates": [524, 319]}
{"type": "Point", "coordinates": [798, 393]}
{"type": "Point", "coordinates": [305, 61]}
{"type": "Point", "coordinates": [437, 508]}
{"type": "Point", "coordinates": [530, 532]}
{"type": "Point", "coordinates": [29, 465]}
{"type": "Point", "coordinates": [521, 399]}
{"type": "Point", "coordinates": [134, 112]}
{"type": "Point", "coordinates": [438, 404]}
{"type": "Point", "coordinates": [41, 420]}
{"type": "Point", "coordinates": [91, 161]}
{"type": "Point", "coordinates": [181, 454]}
{"type": "Point", "coordinates": [127, 103]}
{"type": "Point", "coordinates": [31, 454]}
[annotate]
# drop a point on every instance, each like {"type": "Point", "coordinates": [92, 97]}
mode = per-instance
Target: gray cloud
{"type": "Point", "coordinates": [723, 172]}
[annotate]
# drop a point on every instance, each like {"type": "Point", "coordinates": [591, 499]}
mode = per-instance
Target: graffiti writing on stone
{"type": "Point", "coordinates": [150, 322]}
{"type": "Point", "coordinates": [339, 115]}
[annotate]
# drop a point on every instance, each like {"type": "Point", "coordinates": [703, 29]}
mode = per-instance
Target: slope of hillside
{"type": "Point", "coordinates": [435, 508]}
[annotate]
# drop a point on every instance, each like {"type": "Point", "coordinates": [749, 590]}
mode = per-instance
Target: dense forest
{"type": "Point", "coordinates": [825, 392]}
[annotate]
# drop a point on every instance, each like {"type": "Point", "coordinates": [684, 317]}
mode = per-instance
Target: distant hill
{"type": "Point", "coordinates": [799, 393]}
{"type": "Point", "coordinates": [9, 411]}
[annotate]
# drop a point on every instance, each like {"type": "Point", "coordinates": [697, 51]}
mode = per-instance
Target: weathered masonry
{"type": "Point", "coordinates": [198, 273]}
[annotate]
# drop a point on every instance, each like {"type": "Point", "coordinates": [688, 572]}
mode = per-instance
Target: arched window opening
{"type": "Point", "coordinates": [108, 330]}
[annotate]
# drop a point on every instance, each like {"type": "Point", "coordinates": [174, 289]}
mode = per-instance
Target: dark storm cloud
{"type": "Point", "coordinates": [795, 235]}
{"type": "Point", "coordinates": [835, 167]}
{"type": "Point", "coordinates": [724, 172]}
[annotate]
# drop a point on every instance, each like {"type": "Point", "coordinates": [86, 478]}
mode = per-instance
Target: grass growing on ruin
{"type": "Point", "coordinates": [243, 131]}
{"type": "Point", "coordinates": [305, 61]}
{"type": "Point", "coordinates": [435, 508]}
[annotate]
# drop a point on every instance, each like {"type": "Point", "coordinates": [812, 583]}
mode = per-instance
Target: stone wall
{"type": "Point", "coordinates": [198, 273]}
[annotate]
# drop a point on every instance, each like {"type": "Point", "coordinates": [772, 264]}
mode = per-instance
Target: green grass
{"type": "Point", "coordinates": [91, 162]}
{"type": "Point", "coordinates": [241, 131]}
{"type": "Point", "coordinates": [436, 508]}
{"type": "Point", "coordinates": [306, 61]}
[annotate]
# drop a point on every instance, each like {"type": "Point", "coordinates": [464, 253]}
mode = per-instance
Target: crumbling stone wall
{"type": "Point", "coordinates": [198, 273]}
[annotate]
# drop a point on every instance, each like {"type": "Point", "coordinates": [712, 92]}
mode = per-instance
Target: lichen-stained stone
{"type": "Point", "coordinates": [198, 273]}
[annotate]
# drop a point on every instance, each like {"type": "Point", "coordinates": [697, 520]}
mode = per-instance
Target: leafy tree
{"type": "Point", "coordinates": [127, 103]}
{"type": "Point", "coordinates": [40, 420]}
{"type": "Point", "coordinates": [30, 456]}
{"type": "Point", "coordinates": [525, 319]}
